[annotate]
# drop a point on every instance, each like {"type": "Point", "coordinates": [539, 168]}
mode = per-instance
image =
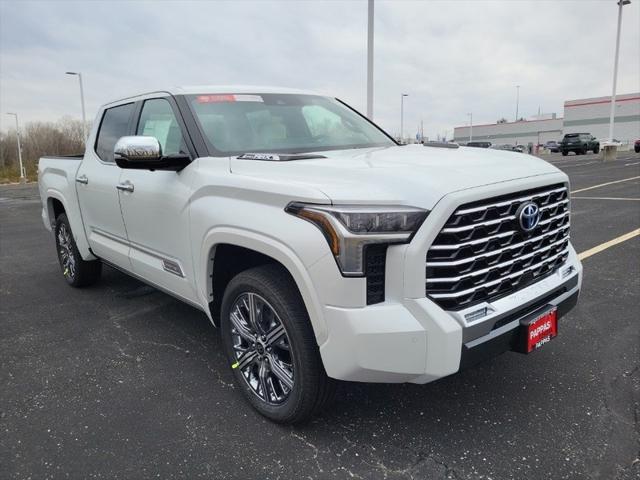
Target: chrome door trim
{"type": "Point", "coordinates": [169, 264]}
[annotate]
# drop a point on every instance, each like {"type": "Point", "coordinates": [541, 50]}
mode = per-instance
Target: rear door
{"type": "Point", "coordinates": [97, 180]}
{"type": "Point", "coordinates": [156, 210]}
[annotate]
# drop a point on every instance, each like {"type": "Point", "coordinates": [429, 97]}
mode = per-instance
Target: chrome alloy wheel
{"type": "Point", "coordinates": [65, 251]}
{"type": "Point", "coordinates": [262, 349]}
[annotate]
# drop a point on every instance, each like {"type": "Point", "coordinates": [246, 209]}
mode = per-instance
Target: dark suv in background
{"type": "Point", "coordinates": [580, 143]}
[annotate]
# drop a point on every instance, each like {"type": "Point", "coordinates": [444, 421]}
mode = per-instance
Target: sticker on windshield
{"type": "Point", "coordinates": [215, 98]}
{"type": "Point", "coordinates": [224, 98]}
{"type": "Point", "coordinates": [248, 98]}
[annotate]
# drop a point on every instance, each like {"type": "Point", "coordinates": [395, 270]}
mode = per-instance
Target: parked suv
{"type": "Point", "coordinates": [580, 143]}
{"type": "Point", "coordinates": [321, 248]}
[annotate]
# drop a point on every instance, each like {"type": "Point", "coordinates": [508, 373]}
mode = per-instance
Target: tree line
{"type": "Point", "coordinates": [37, 139]}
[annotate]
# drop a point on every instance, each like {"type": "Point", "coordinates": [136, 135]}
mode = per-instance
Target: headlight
{"type": "Point", "coordinates": [350, 228]}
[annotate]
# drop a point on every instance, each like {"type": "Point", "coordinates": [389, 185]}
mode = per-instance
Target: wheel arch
{"type": "Point", "coordinates": [57, 204]}
{"type": "Point", "coordinates": [220, 249]}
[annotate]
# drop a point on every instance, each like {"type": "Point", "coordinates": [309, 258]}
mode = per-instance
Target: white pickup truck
{"type": "Point", "coordinates": [322, 248]}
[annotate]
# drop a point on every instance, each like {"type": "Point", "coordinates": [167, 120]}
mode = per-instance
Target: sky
{"type": "Point", "coordinates": [451, 57]}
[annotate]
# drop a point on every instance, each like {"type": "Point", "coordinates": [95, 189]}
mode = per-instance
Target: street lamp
{"type": "Point", "coordinates": [621, 3]}
{"type": "Point", "coordinates": [22, 176]}
{"type": "Point", "coordinates": [517, 100]}
{"type": "Point", "coordinates": [402, 116]}
{"type": "Point", "coordinates": [370, 61]}
{"type": "Point", "coordinates": [470, 126]}
{"type": "Point", "coordinates": [84, 117]}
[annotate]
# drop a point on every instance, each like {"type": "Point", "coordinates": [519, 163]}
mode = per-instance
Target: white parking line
{"type": "Point", "coordinates": [605, 184]}
{"type": "Point", "coordinates": [629, 164]}
{"type": "Point", "coordinates": [606, 198]}
{"type": "Point", "coordinates": [609, 244]}
{"type": "Point", "coordinates": [580, 164]}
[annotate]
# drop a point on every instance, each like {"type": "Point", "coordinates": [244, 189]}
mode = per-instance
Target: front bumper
{"type": "Point", "coordinates": [416, 341]}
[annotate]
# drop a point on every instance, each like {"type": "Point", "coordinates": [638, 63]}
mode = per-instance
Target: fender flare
{"type": "Point", "coordinates": [270, 247]}
{"type": "Point", "coordinates": [77, 228]}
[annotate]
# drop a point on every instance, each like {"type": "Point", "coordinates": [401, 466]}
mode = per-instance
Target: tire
{"type": "Point", "coordinates": [596, 149]}
{"type": "Point", "coordinates": [585, 150]}
{"type": "Point", "coordinates": [565, 153]}
{"type": "Point", "coordinates": [270, 287]}
{"type": "Point", "coordinates": [76, 271]}
{"type": "Point", "coordinates": [636, 149]}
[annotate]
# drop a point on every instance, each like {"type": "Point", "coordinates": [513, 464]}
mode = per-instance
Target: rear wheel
{"type": "Point", "coordinates": [271, 346]}
{"type": "Point", "coordinates": [565, 153]}
{"type": "Point", "coordinates": [585, 149]}
{"type": "Point", "coordinates": [77, 272]}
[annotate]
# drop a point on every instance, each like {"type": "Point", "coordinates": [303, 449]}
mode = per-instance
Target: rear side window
{"type": "Point", "coordinates": [115, 124]}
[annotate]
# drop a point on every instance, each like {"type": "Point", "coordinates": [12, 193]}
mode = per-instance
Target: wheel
{"type": "Point", "coordinates": [77, 272]}
{"type": "Point", "coordinates": [271, 347]}
{"type": "Point", "coordinates": [596, 149]}
{"type": "Point", "coordinates": [565, 153]}
{"type": "Point", "coordinates": [636, 149]}
{"type": "Point", "coordinates": [585, 150]}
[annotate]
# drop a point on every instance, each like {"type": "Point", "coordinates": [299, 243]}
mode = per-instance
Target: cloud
{"type": "Point", "coordinates": [451, 57]}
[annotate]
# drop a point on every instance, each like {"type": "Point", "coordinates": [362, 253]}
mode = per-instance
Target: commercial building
{"type": "Point", "coordinates": [584, 115]}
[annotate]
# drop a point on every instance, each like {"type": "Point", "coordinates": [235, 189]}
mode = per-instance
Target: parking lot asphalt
{"type": "Point", "coordinates": [121, 381]}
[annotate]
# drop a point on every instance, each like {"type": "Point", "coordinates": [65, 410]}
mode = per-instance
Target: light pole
{"type": "Point", "coordinates": [370, 61]}
{"type": "Point", "coordinates": [470, 126]}
{"type": "Point", "coordinates": [22, 177]}
{"type": "Point", "coordinates": [402, 116]}
{"type": "Point", "coordinates": [517, 100]}
{"type": "Point", "coordinates": [621, 3]}
{"type": "Point", "coordinates": [84, 117]}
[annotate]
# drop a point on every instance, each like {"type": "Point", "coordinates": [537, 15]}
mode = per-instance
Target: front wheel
{"type": "Point", "coordinates": [596, 150]}
{"type": "Point", "coordinates": [565, 153]}
{"type": "Point", "coordinates": [77, 272]}
{"type": "Point", "coordinates": [271, 347]}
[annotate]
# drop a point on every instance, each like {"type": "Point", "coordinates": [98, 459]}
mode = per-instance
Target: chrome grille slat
{"type": "Point", "coordinates": [499, 220]}
{"type": "Point", "coordinates": [508, 202]}
{"type": "Point", "coordinates": [481, 253]}
{"type": "Point", "coordinates": [472, 242]}
{"type": "Point", "coordinates": [500, 250]}
{"type": "Point", "coordinates": [499, 265]}
{"type": "Point", "coordinates": [495, 282]}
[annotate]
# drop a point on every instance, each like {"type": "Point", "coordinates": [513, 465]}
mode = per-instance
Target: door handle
{"type": "Point", "coordinates": [125, 186]}
{"type": "Point", "coordinates": [82, 179]}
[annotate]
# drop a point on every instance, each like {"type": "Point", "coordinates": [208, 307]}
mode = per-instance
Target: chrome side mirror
{"type": "Point", "coordinates": [145, 153]}
{"type": "Point", "coordinates": [137, 150]}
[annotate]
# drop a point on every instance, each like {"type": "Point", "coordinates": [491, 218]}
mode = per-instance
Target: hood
{"type": "Point", "coordinates": [408, 175]}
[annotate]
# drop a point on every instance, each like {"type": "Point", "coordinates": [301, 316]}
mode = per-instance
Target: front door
{"type": "Point", "coordinates": [97, 180]}
{"type": "Point", "coordinates": [156, 207]}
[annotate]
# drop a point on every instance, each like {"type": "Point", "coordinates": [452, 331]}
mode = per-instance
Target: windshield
{"type": "Point", "coordinates": [281, 123]}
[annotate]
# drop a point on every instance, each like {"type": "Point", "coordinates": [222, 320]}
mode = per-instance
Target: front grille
{"type": "Point", "coordinates": [482, 254]}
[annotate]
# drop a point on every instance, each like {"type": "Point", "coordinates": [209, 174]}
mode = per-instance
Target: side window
{"type": "Point", "coordinates": [158, 120]}
{"type": "Point", "coordinates": [115, 124]}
